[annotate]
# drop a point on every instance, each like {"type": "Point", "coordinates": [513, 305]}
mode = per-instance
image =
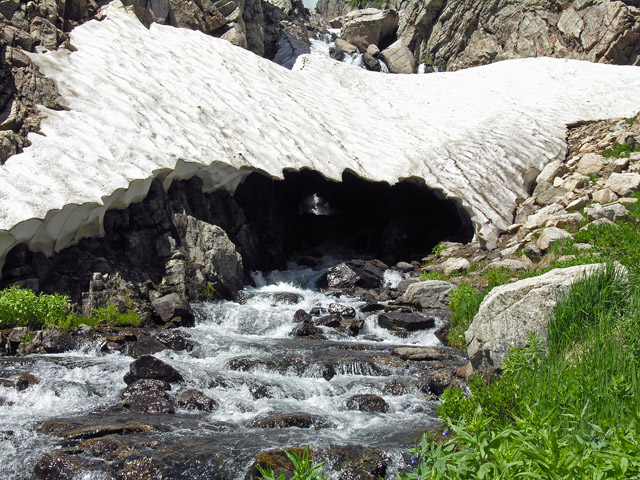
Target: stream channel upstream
{"type": "Point", "coordinates": [244, 358]}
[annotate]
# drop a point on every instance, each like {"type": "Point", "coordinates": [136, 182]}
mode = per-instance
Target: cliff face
{"type": "Point", "coordinates": [456, 34]}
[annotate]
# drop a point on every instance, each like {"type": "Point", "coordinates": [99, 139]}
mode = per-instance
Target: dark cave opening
{"type": "Point", "coordinates": [354, 217]}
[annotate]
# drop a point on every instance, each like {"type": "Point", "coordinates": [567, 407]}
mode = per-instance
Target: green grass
{"type": "Point", "coordinates": [20, 307]}
{"type": "Point", "coordinates": [463, 303]}
{"type": "Point", "coordinates": [620, 150]}
{"type": "Point", "coordinates": [569, 411]}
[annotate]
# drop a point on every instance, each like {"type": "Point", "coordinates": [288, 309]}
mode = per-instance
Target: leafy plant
{"type": "Point", "coordinates": [463, 303]}
{"type": "Point", "coordinates": [303, 468]}
{"type": "Point", "coordinates": [620, 150]}
{"type": "Point", "coordinates": [21, 307]}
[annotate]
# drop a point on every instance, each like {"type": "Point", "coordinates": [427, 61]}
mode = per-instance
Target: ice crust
{"type": "Point", "coordinates": [171, 103]}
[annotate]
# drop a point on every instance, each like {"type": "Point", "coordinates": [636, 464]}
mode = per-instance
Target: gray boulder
{"type": "Point", "coordinates": [399, 58]}
{"type": "Point", "coordinates": [367, 26]}
{"type": "Point", "coordinates": [174, 309]}
{"type": "Point", "coordinates": [429, 294]}
{"type": "Point", "coordinates": [511, 312]}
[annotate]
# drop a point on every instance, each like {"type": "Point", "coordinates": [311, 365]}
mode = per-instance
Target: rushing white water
{"type": "Point", "coordinates": [280, 374]}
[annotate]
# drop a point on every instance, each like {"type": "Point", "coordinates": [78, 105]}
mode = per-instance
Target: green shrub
{"type": "Point", "coordinates": [111, 315]}
{"type": "Point", "coordinates": [619, 150]}
{"type": "Point", "coordinates": [21, 307]}
{"type": "Point", "coordinates": [463, 303]}
{"type": "Point", "coordinates": [433, 276]}
{"type": "Point", "coordinates": [497, 277]}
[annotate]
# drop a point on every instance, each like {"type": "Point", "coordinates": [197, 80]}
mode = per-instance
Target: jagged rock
{"type": "Point", "coordinates": [342, 310]}
{"type": "Point", "coordinates": [292, 43]}
{"type": "Point", "coordinates": [148, 396]}
{"type": "Point", "coordinates": [354, 273]}
{"type": "Point", "coordinates": [213, 265]}
{"type": "Point", "coordinates": [454, 265]}
{"type": "Point", "coordinates": [175, 310]}
{"type": "Point", "coordinates": [301, 317]}
{"type": "Point", "coordinates": [578, 203]}
{"type": "Point", "coordinates": [288, 298]}
{"type": "Point", "coordinates": [174, 340]}
{"type": "Point", "coordinates": [511, 312]}
{"type": "Point", "coordinates": [345, 46]}
{"type": "Point", "coordinates": [25, 380]}
{"type": "Point", "coordinates": [623, 183]}
{"type": "Point", "coordinates": [333, 320]}
{"type": "Point", "coordinates": [571, 220]}
{"type": "Point", "coordinates": [196, 400]}
{"type": "Point", "coordinates": [405, 321]}
{"type": "Point", "coordinates": [550, 235]}
{"type": "Point", "coordinates": [613, 212]}
{"type": "Point", "coordinates": [551, 171]}
{"type": "Point", "coordinates": [399, 58]}
{"type": "Point", "coordinates": [150, 367]}
{"type": "Point", "coordinates": [370, 58]}
{"type": "Point", "coordinates": [287, 420]}
{"type": "Point", "coordinates": [306, 329]}
{"type": "Point", "coordinates": [54, 341]}
{"type": "Point", "coordinates": [368, 26]}
{"type": "Point", "coordinates": [367, 403]}
{"type": "Point", "coordinates": [543, 215]}
{"type": "Point", "coordinates": [590, 163]}
{"type": "Point", "coordinates": [429, 294]}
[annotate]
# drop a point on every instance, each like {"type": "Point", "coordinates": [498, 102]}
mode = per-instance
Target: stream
{"type": "Point", "coordinates": [244, 358]}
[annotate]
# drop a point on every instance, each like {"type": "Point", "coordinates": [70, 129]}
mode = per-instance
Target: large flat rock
{"type": "Point", "coordinates": [172, 103]}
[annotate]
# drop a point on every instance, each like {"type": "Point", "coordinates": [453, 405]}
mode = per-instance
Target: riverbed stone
{"type": "Point", "coordinates": [409, 322]}
{"type": "Point", "coordinates": [26, 380]}
{"type": "Point", "coordinates": [367, 403]}
{"type": "Point", "coordinates": [172, 307]}
{"type": "Point", "coordinates": [429, 294]}
{"type": "Point", "coordinates": [196, 400]}
{"type": "Point", "coordinates": [153, 368]}
{"type": "Point", "coordinates": [342, 310]}
{"type": "Point", "coordinates": [296, 419]}
{"type": "Point", "coordinates": [422, 353]}
{"type": "Point", "coordinates": [333, 320]}
{"type": "Point", "coordinates": [354, 273]}
{"type": "Point", "coordinates": [509, 313]}
{"type": "Point", "coordinates": [301, 316]}
{"type": "Point", "coordinates": [59, 465]}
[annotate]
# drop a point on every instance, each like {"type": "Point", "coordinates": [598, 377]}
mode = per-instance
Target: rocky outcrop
{"type": "Point", "coordinates": [429, 294]}
{"type": "Point", "coordinates": [510, 313]}
{"type": "Point", "coordinates": [369, 26]}
{"type": "Point", "coordinates": [464, 33]}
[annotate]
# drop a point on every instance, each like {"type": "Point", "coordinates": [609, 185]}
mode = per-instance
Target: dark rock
{"type": "Point", "coordinates": [354, 273]}
{"type": "Point", "coordinates": [301, 317]}
{"type": "Point", "coordinates": [59, 465]}
{"type": "Point", "coordinates": [306, 329]}
{"type": "Point", "coordinates": [289, 298]}
{"type": "Point", "coordinates": [396, 387]}
{"type": "Point", "coordinates": [343, 310]}
{"type": "Point", "coordinates": [196, 400]}
{"type": "Point", "coordinates": [334, 320]}
{"type": "Point", "coordinates": [173, 306]}
{"type": "Point", "coordinates": [317, 311]}
{"type": "Point", "coordinates": [353, 326]}
{"type": "Point", "coordinates": [100, 447]}
{"type": "Point", "coordinates": [70, 431]}
{"type": "Point", "coordinates": [175, 340]}
{"type": "Point", "coordinates": [7, 383]}
{"type": "Point", "coordinates": [141, 469]}
{"type": "Point", "coordinates": [405, 321]}
{"type": "Point", "coordinates": [145, 345]}
{"type": "Point", "coordinates": [442, 333]}
{"type": "Point", "coordinates": [148, 396]}
{"type": "Point", "coordinates": [404, 284]}
{"type": "Point", "coordinates": [151, 367]}
{"type": "Point", "coordinates": [371, 307]}
{"type": "Point", "coordinates": [54, 341]}
{"type": "Point", "coordinates": [358, 463]}
{"type": "Point", "coordinates": [26, 380]}
{"type": "Point", "coordinates": [367, 403]}
{"type": "Point", "coordinates": [287, 420]}
{"type": "Point", "coordinates": [276, 460]}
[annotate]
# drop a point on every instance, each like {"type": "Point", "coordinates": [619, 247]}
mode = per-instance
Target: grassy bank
{"type": "Point", "coordinates": [569, 411]}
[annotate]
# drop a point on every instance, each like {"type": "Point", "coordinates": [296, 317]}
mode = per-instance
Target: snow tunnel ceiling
{"type": "Point", "coordinates": [169, 104]}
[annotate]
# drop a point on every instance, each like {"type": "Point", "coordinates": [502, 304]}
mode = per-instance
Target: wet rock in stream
{"type": "Point", "coordinates": [296, 419]}
{"type": "Point", "coordinates": [367, 403]}
{"type": "Point", "coordinates": [153, 368]}
{"type": "Point", "coordinates": [148, 396]}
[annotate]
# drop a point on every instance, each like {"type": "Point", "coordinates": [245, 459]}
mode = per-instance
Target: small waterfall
{"type": "Point", "coordinates": [326, 43]}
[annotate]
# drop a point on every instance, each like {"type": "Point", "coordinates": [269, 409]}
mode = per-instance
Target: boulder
{"type": "Point", "coordinates": [306, 329]}
{"type": "Point", "coordinates": [196, 400]}
{"type": "Point", "coordinates": [551, 171]}
{"type": "Point", "coordinates": [333, 320]}
{"type": "Point", "coordinates": [422, 353]}
{"type": "Point", "coordinates": [368, 26]}
{"type": "Point", "coordinates": [409, 322]}
{"type": "Point", "coordinates": [54, 341]}
{"type": "Point", "coordinates": [509, 313]}
{"type": "Point", "coordinates": [26, 380]}
{"type": "Point", "coordinates": [550, 235]}
{"type": "Point", "coordinates": [301, 317]}
{"type": "Point", "coordinates": [354, 273]}
{"type": "Point", "coordinates": [429, 294]}
{"type": "Point", "coordinates": [454, 265]}
{"type": "Point", "coordinates": [150, 367]}
{"type": "Point", "coordinates": [399, 58]}
{"type": "Point", "coordinates": [367, 403]}
{"type": "Point", "coordinates": [345, 46]}
{"type": "Point", "coordinates": [212, 266]}
{"type": "Point", "coordinates": [342, 310]}
{"type": "Point", "coordinates": [148, 396]}
{"type": "Point", "coordinates": [623, 183]}
{"type": "Point", "coordinates": [590, 163]}
{"type": "Point", "coordinates": [174, 309]}
{"type": "Point", "coordinates": [613, 212]}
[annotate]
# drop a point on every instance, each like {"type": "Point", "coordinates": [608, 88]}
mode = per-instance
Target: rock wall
{"type": "Point", "coordinates": [457, 34]}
